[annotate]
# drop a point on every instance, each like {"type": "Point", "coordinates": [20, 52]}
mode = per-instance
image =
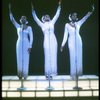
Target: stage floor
{"type": "Point", "coordinates": [59, 86]}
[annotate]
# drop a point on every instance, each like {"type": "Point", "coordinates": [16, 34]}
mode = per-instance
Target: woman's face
{"type": "Point", "coordinates": [23, 20]}
{"type": "Point", "coordinates": [74, 17]}
{"type": "Point", "coordinates": [47, 18]}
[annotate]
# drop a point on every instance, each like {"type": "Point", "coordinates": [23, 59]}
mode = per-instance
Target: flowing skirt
{"type": "Point", "coordinates": [50, 53]}
{"type": "Point", "coordinates": [22, 57]}
{"type": "Point", "coordinates": [75, 51]}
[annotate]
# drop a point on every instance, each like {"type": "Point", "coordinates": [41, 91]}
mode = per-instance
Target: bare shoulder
{"type": "Point", "coordinates": [66, 25]}
{"type": "Point", "coordinates": [29, 27]}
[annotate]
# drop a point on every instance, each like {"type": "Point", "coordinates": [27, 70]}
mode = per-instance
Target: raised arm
{"type": "Point", "coordinates": [57, 13]}
{"type": "Point", "coordinates": [35, 17]}
{"type": "Point", "coordinates": [64, 38]}
{"type": "Point", "coordinates": [12, 18]}
{"type": "Point", "coordinates": [86, 16]}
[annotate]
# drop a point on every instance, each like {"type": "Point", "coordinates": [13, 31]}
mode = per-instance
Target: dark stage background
{"type": "Point", "coordinates": [88, 32]}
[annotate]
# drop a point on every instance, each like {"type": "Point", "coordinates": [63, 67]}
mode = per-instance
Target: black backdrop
{"type": "Point", "coordinates": [88, 32]}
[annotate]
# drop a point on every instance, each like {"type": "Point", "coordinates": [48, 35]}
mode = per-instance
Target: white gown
{"type": "Point", "coordinates": [22, 45]}
{"type": "Point", "coordinates": [75, 46]}
{"type": "Point", "coordinates": [50, 43]}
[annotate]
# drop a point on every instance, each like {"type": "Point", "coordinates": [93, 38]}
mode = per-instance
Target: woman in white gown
{"type": "Point", "coordinates": [23, 45]}
{"type": "Point", "coordinates": [50, 42]}
{"type": "Point", "coordinates": [74, 43]}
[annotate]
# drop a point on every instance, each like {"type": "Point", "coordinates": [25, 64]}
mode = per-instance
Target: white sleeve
{"type": "Point", "coordinates": [84, 18]}
{"type": "Point", "coordinates": [65, 36]}
{"type": "Point", "coordinates": [31, 37]}
{"type": "Point", "coordinates": [56, 15]}
{"type": "Point", "coordinates": [36, 19]}
{"type": "Point", "coordinates": [13, 20]}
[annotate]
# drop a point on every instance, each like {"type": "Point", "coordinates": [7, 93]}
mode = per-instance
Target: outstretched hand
{"type": "Point", "coordinates": [29, 50]}
{"type": "Point", "coordinates": [93, 8]}
{"type": "Point", "coordinates": [9, 7]}
{"type": "Point", "coordinates": [32, 6]}
{"type": "Point", "coordinates": [61, 48]}
{"type": "Point", "coordinates": [60, 2]}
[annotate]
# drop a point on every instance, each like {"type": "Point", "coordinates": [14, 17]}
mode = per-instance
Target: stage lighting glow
{"type": "Point", "coordinates": [4, 84]}
{"type": "Point", "coordinates": [29, 84]}
{"type": "Point", "coordinates": [71, 93]}
{"type": "Point", "coordinates": [94, 84]}
{"type": "Point", "coordinates": [42, 94]}
{"type": "Point", "coordinates": [56, 84]}
{"type": "Point", "coordinates": [42, 84]}
{"type": "Point", "coordinates": [13, 94]}
{"type": "Point", "coordinates": [42, 88]}
{"type": "Point", "coordinates": [5, 88]}
{"type": "Point", "coordinates": [69, 84]}
{"type": "Point", "coordinates": [85, 93]}
{"type": "Point", "coordinates": [95, 93]}
{"type": "Point", "coordinates": [15, 84]}
{"type": "Point", "coordinates": [56, 94]}
{"type": "Point", "coordinates": [3, 94]}
{"type": "Point", "coordinates": [28, 94]}
{"type": "Point", "coordinates": [84, 83]}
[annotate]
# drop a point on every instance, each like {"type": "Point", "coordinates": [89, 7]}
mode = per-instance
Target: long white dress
{"type": "Point", "coordinates": [50, 43]}
{"type": "Point", "coordinates": [24, 41]}
{"type": "Point", "coordinates": [75, 46]}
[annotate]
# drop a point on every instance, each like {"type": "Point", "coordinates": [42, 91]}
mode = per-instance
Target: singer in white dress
{"type": "Point", "coordinates": [23, 44]}
{"type": "Point", "coordinates": [74, 43]}
{"type": "Point", "coordinates": [50, 42]}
